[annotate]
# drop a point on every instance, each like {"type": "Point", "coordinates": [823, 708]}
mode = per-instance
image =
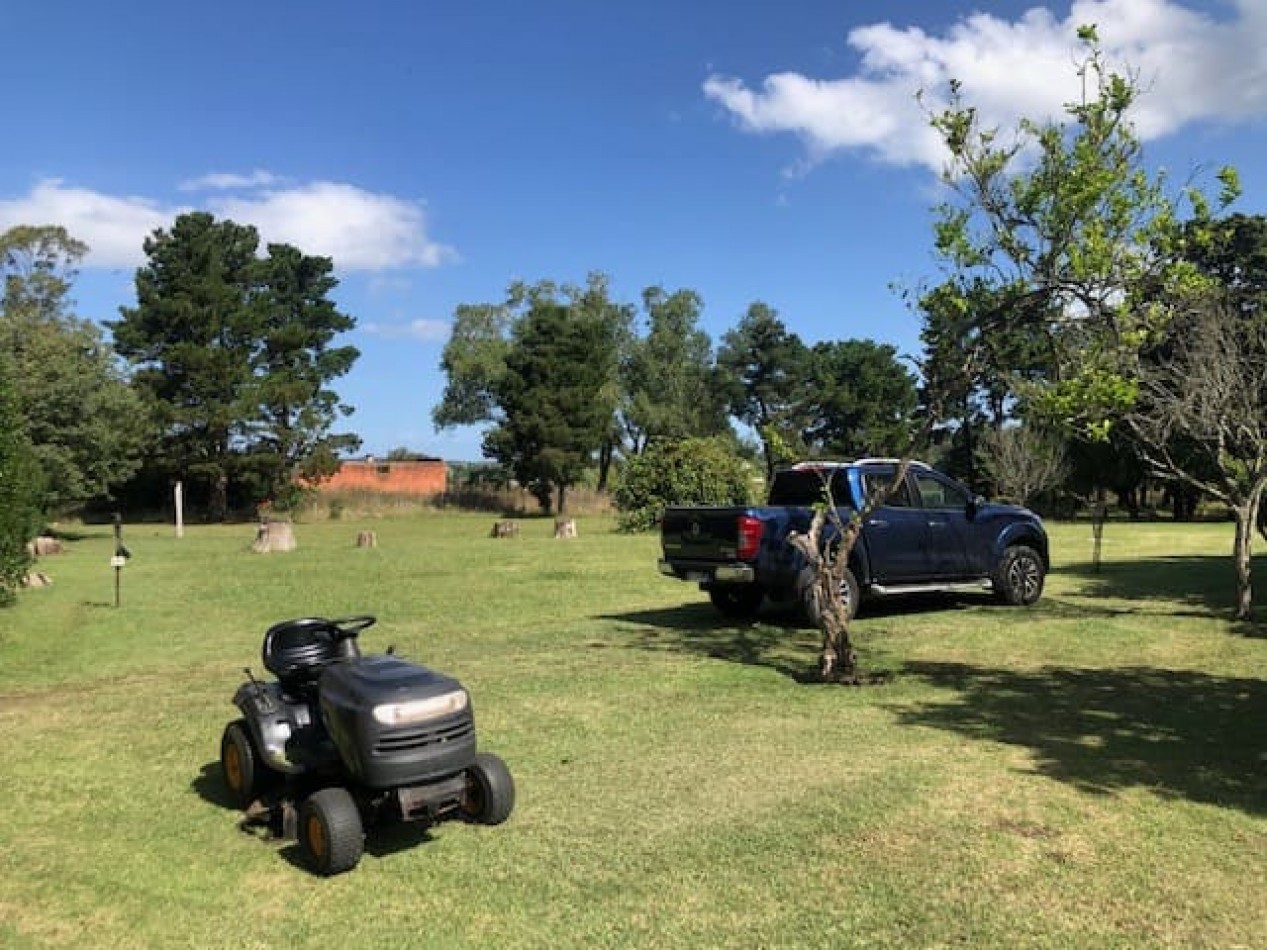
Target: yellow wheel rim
{"type": "Point", "coordinates": [233, 767]}
{"type": "Point", "coordinates": [316, 835]}
{"type": "Point", "coordinates": [472, 798]}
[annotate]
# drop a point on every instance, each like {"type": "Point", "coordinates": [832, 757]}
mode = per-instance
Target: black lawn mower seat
{"type": "Point", "coordinates": [296, 651]}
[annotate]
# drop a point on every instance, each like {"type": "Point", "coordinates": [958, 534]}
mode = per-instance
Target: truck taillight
{"type": "Point", "coordinates": [750, 529]}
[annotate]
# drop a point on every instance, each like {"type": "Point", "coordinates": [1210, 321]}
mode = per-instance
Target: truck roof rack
{"type": "Point", "coordinates": [914, 463]}
{"type": "Point", "coordinates": [827, 463]}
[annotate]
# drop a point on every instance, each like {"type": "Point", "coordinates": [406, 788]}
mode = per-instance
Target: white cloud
{"type": "Point", "coordinates": [422, 331]}
{"type": "Point", "coordinates": [359, 229]}
{"type": "Point", "coordinates": [221, 180]}
{"type": "Point", "coordinates": [1192, 67]}
{"type": "Point", "coordinates": [113, 227]}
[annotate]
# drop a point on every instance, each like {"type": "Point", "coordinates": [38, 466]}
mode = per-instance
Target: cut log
{"type": "Point", "coordinates": [506, 529]}
{"type": "Point", "coordinates": [37, 579]}
{"type": "Point", "coordinates": [565, 527]}
{"type": "Point", "coordinates": [366, 539]}
{"type": "Point", "coordinates": [273, 536]}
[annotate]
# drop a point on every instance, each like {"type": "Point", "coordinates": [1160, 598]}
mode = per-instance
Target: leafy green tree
{"type": "Point", "coordinates": [613, 324]}
{"type": "Point", "coordinates": [292, 366]}
{"type": "Point", "coordinates": [861, 401]}
{"type": "Point", "coordinates": [498, 361]}
{"type": "Point", "coordinates": [680, 472]}
{"type": "Point", "coordinates": [975, 370]}
{"type": "Point", "coordinates": [191, 341]}
{"type": "Point", "coordinates": [234, 353]}
{"type": "Point", "coordinates": [766, 374]}
{"type": "Point", "coordinates": [473, 361]}
{"type": "Point", "coordinates": [1059, 232]}
{"type": "Point", "coordinates": [21, 497]}
{"type": "Point", "coordinates": [554, 398]}
{"type": "Point", "coordinates": [86, 426]}
{"type": "Point", "coordinates": [671, 390]}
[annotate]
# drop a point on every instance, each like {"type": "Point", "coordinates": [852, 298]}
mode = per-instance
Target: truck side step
{"type": "Point", "coordinates": [880, 590]}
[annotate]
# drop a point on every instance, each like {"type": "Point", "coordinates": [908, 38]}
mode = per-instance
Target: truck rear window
{"type": "Point", "coordinates": [803, 488]}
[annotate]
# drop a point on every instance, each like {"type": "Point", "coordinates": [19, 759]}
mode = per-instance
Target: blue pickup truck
{"type": "Point", "coordinates": [930, 534]}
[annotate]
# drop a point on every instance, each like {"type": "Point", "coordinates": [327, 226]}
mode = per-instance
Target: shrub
{"type": "Point", "coordinates": [20, 494]}
{"type": "Point", "coordinates": [688, 472]}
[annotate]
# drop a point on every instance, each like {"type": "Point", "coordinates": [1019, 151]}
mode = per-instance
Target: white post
{"type": "Point", "coordinates": [180, 510]}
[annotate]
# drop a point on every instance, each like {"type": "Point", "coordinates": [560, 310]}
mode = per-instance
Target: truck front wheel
{"type": "Point", "coordinates": [737, 600]}
{"type": "Point", "coordinates": [1019, 579]}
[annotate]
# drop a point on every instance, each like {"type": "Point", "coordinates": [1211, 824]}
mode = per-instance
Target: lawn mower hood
{"type": "Point", "coordinates": [396, 723]}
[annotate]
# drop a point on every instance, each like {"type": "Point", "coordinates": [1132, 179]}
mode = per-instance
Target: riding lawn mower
{"type": "Point", "coordinates": [343, 741]}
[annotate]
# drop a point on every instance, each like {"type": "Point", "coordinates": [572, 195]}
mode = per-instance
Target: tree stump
{"type": "Point", "coordinates": [506, 529]}
{"type": "Point", "coordinates": [565, 527]}
{"type": "Point", "coordinates": [274, 536]}
{"type": "Point", "coordinates": [45, 545]}
{"type": "Point", "coordinates": [366, 539]}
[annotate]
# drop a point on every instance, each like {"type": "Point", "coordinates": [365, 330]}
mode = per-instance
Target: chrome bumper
{"type": "Point", "coordinates": [720, 574]}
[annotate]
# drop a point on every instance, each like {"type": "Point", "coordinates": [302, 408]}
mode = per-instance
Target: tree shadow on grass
{"type": "Point", "coordinates": [1204, 582]}
{"type": "Point", "coordinates": [1204, 586]}
{"type": "Point", "coordinates": [209, 786]}
{"type": "Point", "coordinates": [1181, 733]}
{"type": "Point", "coordinates": [779, 638]}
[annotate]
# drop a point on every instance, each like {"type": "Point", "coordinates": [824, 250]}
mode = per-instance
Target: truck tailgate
{"type": "Point", "coordinates": [701, 534]}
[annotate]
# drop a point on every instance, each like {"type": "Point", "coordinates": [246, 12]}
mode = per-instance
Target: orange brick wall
{"type": "Point", "coordinates": [412, 477]}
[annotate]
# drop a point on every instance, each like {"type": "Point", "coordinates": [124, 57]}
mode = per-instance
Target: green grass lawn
{"type": "Point", "coordinates": [1089, 772]}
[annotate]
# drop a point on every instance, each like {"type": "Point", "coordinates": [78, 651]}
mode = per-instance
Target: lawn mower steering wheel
{"type": "Point", "coordinates": [349, 627]}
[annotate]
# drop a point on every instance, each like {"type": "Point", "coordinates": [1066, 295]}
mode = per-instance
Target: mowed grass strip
{"type": "Point", "coordinates": [1087, 772]}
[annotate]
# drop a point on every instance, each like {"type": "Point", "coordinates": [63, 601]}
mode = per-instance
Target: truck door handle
{"type": "Point", "coordinates": [878, 523]}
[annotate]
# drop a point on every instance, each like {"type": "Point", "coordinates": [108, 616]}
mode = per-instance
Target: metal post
{"type": "Point", "coordinates": [121, 555]}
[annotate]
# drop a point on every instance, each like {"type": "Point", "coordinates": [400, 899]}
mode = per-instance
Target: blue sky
{"type": "Point", "coordinates": [439, 151]}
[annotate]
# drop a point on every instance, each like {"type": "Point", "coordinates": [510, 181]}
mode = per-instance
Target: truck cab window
{"type": "Point", "coordinates": [934, 493]}
{"type": "Point", "coordinates": [878, 482]}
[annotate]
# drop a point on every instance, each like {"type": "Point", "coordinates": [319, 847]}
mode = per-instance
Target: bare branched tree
{"type": "Point", "coordinates": [832, 594]}
{"type": "Point", "coordinates": [1202, 416]}
{"type": "Point", "coordinates": [1023, 461]}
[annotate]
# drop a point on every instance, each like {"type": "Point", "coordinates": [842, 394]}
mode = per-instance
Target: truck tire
{"type": "Point", "coordinates": [850, 593]}
{"type": "Point", "coordinates": [1019, 578]}
{"type": "Point", "coordinates": [737, 600]}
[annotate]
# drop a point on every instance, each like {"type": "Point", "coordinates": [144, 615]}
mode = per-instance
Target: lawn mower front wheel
{"type": "Point", "coordinates": [490, 791]}
{"type": "Point", "coordinates": [331, 836]}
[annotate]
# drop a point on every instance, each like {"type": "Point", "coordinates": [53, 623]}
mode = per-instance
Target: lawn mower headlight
{"type": "Point", "coordinates": [421, 710]}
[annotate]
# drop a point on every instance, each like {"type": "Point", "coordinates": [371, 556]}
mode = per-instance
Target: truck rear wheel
{"type": "Point", "coordinates": [737, 600]}
{"type": "Point", "coordinates": [850, 595]}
